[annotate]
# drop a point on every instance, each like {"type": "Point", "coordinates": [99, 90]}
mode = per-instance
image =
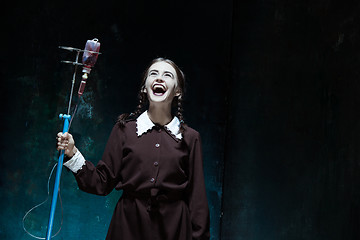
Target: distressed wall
{"type": "Point", "coordinates": [35, 89]}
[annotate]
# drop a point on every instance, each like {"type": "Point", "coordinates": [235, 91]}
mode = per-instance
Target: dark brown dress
{"type": "Point", "coordinates": [162, 179]}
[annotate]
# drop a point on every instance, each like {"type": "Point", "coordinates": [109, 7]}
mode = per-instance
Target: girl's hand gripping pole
{"type": "Point", "coordinates": [66, 119]}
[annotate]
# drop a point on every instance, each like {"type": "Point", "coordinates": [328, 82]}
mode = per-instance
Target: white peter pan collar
{"type": "Point", "coordinates": [144, 124]}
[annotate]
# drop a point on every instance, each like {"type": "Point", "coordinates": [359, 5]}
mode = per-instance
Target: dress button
{"type": "Point", "coordinates": [152, 180]}
{"type": "Point", "coordinates": [157, 145]}
{"type": "Point", "coordinates": [156, 164]}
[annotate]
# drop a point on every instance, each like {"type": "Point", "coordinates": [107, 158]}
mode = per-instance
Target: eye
{"type": "Point", "coordinates": [153, 73]}
{"type": "Point", "coordinates": [168, 75]}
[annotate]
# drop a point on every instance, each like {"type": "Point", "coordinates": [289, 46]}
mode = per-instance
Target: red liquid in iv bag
{"type": "Point", "coordinates": [91, 53]}
{"type": "Point", "coordinates": [89, 58]}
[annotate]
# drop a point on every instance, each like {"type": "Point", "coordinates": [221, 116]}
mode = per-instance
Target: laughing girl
{"type": "Point", "coordinates": [156, 159]}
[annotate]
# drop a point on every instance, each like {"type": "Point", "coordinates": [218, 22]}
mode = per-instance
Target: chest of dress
{"type": "Point", "coordinates": [155, 157]}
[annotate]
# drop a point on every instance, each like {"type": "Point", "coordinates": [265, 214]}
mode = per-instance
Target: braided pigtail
{"type": "Point", "coordinates": [179, 114]}
{"type": "Point", "coordinates": [142, 104]}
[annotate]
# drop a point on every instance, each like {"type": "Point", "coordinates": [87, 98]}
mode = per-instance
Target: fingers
{"type": "Point", "coordinates": [63, 140]}
{"type": "Point", "coordinates": [64, 135]}
{"type": "Point", "coordinates": [62, 145]}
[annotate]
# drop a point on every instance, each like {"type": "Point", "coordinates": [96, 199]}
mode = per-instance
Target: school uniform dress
{"type": "Point", "coordinates": [160, 171]}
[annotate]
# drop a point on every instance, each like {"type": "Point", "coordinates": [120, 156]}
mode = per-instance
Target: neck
{"type": "Point", "coordinates": [160, 114]}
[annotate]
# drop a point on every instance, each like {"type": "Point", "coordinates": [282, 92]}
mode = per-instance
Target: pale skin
{"type": "Point", "coordinates": [161, 87]}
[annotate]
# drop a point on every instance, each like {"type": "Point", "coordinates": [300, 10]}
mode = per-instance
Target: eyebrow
{"type": "Point", "coordinates": [157, 71]}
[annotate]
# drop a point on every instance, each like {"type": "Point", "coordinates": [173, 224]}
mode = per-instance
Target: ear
{"type": "Point", "coordinates": [178, 93]}
{"type": "Point", "coordinates": [143, 89]}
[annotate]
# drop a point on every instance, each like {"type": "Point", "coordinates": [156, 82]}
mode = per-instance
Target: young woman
{"type": "Point", "coordinates": [155, 159]}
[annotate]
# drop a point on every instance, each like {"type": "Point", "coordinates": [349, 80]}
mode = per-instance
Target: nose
{"type": "Point", "coordinates": [159, 79]}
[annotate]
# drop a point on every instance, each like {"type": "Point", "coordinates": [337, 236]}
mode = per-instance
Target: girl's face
{"type": "Point", "coordinates": [161, 83]}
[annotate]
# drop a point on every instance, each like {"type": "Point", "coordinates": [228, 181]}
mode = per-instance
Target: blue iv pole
{"type": "Point", "coordinates": [66, 119]}
{"type": "Point", "coordinates": [67, 122]}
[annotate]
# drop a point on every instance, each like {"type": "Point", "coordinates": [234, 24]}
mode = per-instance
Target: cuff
{"type": "Point", "coordinates": [76, 162]}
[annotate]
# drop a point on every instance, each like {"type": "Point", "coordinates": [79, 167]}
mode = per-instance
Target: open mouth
{"type": "Point", "coordinates": [158, 89]}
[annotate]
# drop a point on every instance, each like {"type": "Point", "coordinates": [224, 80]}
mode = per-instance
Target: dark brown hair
{"type": "Point", "coordinates": [143, 100]}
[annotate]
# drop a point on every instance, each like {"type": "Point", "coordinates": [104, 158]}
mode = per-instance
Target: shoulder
{"type": "Point", "coordinates": [123, 129]}
{"type": "Point", "coordinates": [125, 118]}
{"type": "Point", "coordinates": [190, 131]}
{"type": "Point", "coordinates": [190, 134]}
{"type": "Point", "coordinates": [128, 124]}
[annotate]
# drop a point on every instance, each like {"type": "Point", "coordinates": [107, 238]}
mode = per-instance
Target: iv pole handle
{"type": "Point", "coordinates": [66, 118]}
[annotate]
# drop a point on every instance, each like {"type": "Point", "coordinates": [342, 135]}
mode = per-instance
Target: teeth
{"type": "Point", "coordinates": [158, 89]}
{"type": "Point", "coordinates": [158, 86]}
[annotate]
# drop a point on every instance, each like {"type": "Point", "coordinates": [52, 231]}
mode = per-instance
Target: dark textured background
{"type": "Point", "coordinates": [272, 88]}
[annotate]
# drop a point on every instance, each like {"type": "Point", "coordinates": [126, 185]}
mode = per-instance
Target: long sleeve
{"type": "Point", "coordinates": [199, 210]}
{"type": "Point", "coordinates": [76, 162]}
{"type": "Point", "coordinates": [102, 179]}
